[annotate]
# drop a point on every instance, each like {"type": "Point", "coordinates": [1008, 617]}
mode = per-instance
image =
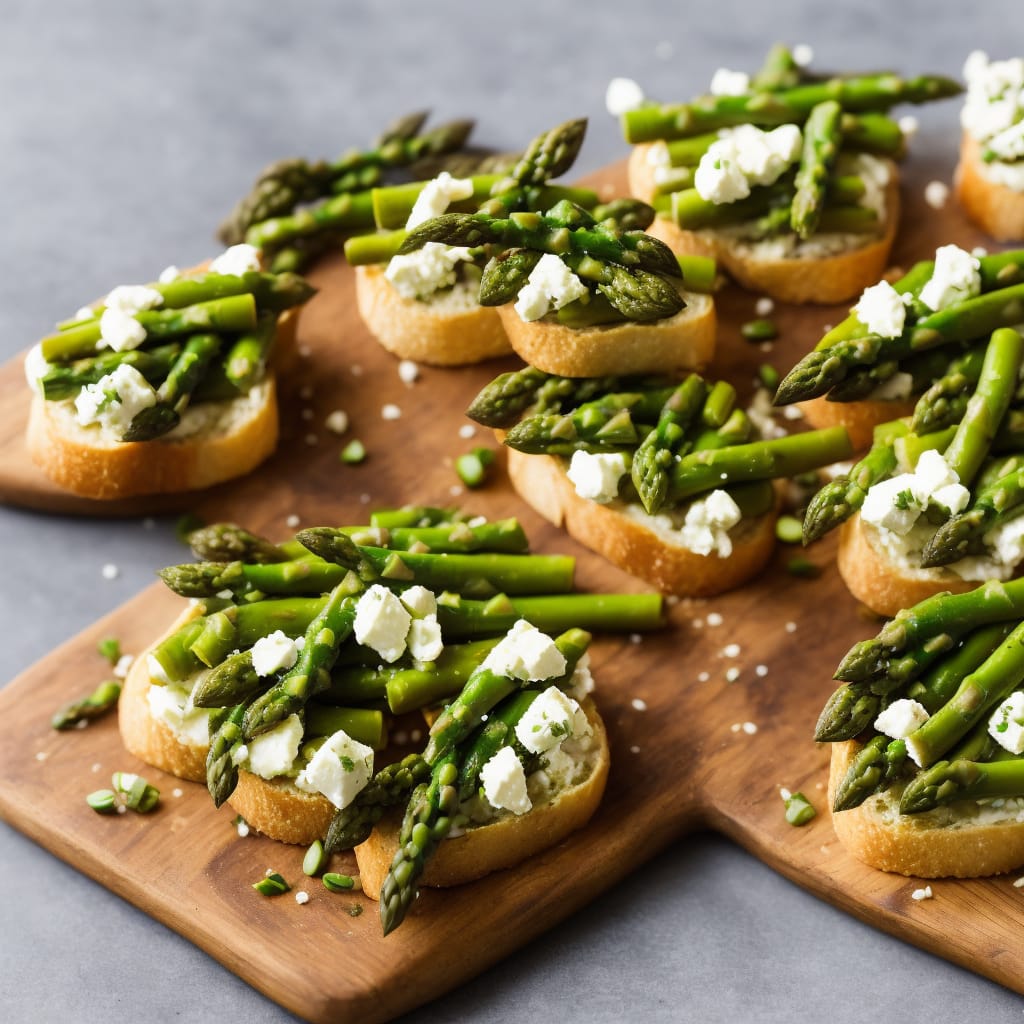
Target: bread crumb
{"type": "Point", "coordinates": [97, 766]}
{"type": "Point", "coordinates": [110, 571]}
{"type": "Point", "coordinates": [735, 727]}
{"type": "Point", "coordinates": [935, 194]}
{"type": "Point", "coordinates": [390, 411]}
{"type": "Point", "coordinates": [639, 704]}
{"type": "Point", "coordinates": [292, 521]}
{"type": "Point", "coordinates": [922, 894]}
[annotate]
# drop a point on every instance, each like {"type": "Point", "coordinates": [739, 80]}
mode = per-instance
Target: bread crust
{"type": "Point", "coordinates": [823, 279]}
{"type": "Point", "coordinates": [859, 418]}
{"type": "Point", "coordinates": [685, 341]}
{"type": "Point", "coordinates": [541, 481]}
{"type": "Point", "coordinates": [874, 581]}
{"type": "Point", "coordinates": [435, 334]}
{"type": "Point", "coordinates": [281, 810]}
{"type": "Point", "coordinates": [938, 844]}
{"type": "Point", "coordinates": [997, 209]}
{"type": "Point", "coordinates": [501, 844]}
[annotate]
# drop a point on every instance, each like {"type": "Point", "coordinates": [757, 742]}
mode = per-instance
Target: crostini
{"type": "Point", "coordinates": [164, 387]}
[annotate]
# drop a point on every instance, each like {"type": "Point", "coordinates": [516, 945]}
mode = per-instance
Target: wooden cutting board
{"type": "Point", "coordinates": [681, 757]}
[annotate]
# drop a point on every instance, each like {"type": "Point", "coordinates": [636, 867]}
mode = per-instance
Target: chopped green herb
{"type": "Point", "coordinates": [803, 568]}
{"type": "Point", "coordinates": [904, 500]}
{"type": "Point", "coordinates": [110, 648]}
{"type": "Point", "coordinates": [472, 466]}
{"type": "Point", "coordinates": [271, 885]}
{"type": "Point", "coordinates": [789, 530]}
{"type": "Point", "coordinates": [353, 453]}
{"type": "Point", "coordinates": [315, 859]}
{"type": "Point", "coordinates": [759, 330]}
{"type": "Point", "coordinates": [186, 525]}
{"type": "Point", "coordinates": [347, 764]}
{"type": "Point", "coordinates": [103, 801]}
{"type": "Point", "coordinates": [338, 883]}
{"type": "Point", "coordinates": [799, 810]}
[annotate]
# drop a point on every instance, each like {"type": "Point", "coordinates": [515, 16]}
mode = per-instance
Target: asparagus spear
{"type": "Point", "coordinates": [945, 402]}
{"type": "Point", "coordinates": [495, 733]}
{"type": "Point", "coordinates": [779, 71]}
{"type": "Point", "coordinates": [93, 705]}
{"type": "Point", "coordinates": [822, 137]}
{"type": "Point", "coordinates": [351, 210]}
{"type": "Point", "coordinates": [221, 770]}
{"type": "Point", "coordinates": [948, 781]}
{"type": "Point", "coordinates": [227, 542]}
{"type": "Point", "coordinates": [231, 682]}
{"type": "Point", "coordinates": [855, 94]}
{"type": "Point", "coordinates": [66, 381]}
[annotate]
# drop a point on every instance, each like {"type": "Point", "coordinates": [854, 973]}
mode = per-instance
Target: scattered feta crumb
{"type": "Point", "coordinates": [390, 412]}
{"type": "Point", "coordinates": [504, 782]}
{"type": "Point", "coordinates": [714, 619]}
{"type": "Point", "coordinates": [237, 260]}
{"type": "Point", "coordinates": [803, 54]}
{"type": "Point", "coordinates": [292, 521]}
{"type": "Point", "coordinates": [466, 431]}
{"type": "Point", "coordinates": [935, 194]}
{"type": "Point", "coordinates": [634, 749]}
{"type": "Point", "coordinates": [743, 157]}
{"type": "Point", "coordinates": [735, 727]}
{"type": "Point", "coordinates": [979, 251]}
{"type": "Point", "coordinates": [636, 638]}
{"type": "Point", "coordinates": [622, 95]}
{"type": "Point", "coordinates": [784, 793]}
{"type": "Point", "coordinates": [364, 499]}
{"type": "Point", "coordinates": [408, 372]}
{"type": "Point", "coordinates": [110, 571]}
{"type": "Point", "coordinates": [124, 663]}
{"type": "Point", "coordinates": [764, 306]}
{"type": "Point", "coordinates": [729, 83]}
{"type": "Point", "coordinates": [455, 490]}
{"type": "Point", "coordinates": [761, 671]}
{"type": "Point", "coordinates": [301, 897]}
{"type": "Point", "coordinates": [749, 728]}
{"type": "Point", "coordinates": [596, 475]}
{"type": "Point", "coordinates": [551, 285]}
{"type": "Point", "coordinates": [901, 718]}
{"type": "Point", "coordinates": [382, 623]}
{"type": "Point", "coordinates": [435, 198]}
{"type": "Point", "coordinates": [732, 674]}
{"type": "Point", "coordinates": [1019, 883]}
{"type": "Point", "coordinates": [242, 828]}
{"type": "Point", "coordinates": [177, 792]}
{"type": "Point", "coordinates": [881, 309]}
{"type": "Point", "coordinates": [909, 125]}
{"type": "Point", "coordinates": [42, 755]}
{"type": "Point", "coordinates": [274, 652]}
{"type": "Point", "coordinates": [169, 274]}
{"type": "Point", "coordinates": [1006, 723]}
{"type": "Point", "coordinates": [697, 623]}
{"type": "Point", "coordinates": [527, 654]}
{"type": "Point", "coordinates": [790, 627]}
{"type": "Point", "coordinates": [703, 677]}
{"type": "Point", "coordinates": [922, 894]}
{"type": "Point", "coordinates": [97, 766]}
{"type": "Point", "coordinates": [731, 650]}
{"type": "Point", "coordinates": [638, 704]}
{"type": "Point", "coordinates": [337, 421]}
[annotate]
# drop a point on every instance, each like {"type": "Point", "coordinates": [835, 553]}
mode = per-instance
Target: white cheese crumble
{"type": "Point", "coordinates": [714, 619]}
{"type": "Point", "coordinates": [550, 719]}
{"type": "Point", "coordinates": [420, 602]}
{"type": "Point", "coordinates": [936, 194]}
{"type": "Point", "coordinates": [339, 770]}
{"type": "Point", "coordinates": [596, 475]}
{"type": "Point", "coordinates": [729, 83]}
{"type": "Point", "coordinates": [622, 95]}
{"type": "Point", "coordinates": [292, 521]}
{"type": "Point", "coordinates": [956, 277]}
{"type": "Point", "coordinates": [171, 706]}
{"type": "Point", "coordinates": [466, 431]}
{"type": "Point", "coordinates": [424, 639]}
{"type": "Point", "coordinates": [909, 125]}
{"type": "Point", "coordinates": [901, 718]}
{"type": "Point", "coordinates": [881, 310]}
{"type": "Point", "coordinates": [417, 275]}
{"type": "Point", "coordinates": [36, 367]}
{"type": "Point", "coordinates": [408, 372]}
{"type": "Point", "coordinates": [1006, 725]}
{"type": "Point", "coordinates": [301, 897]}
{"type": "Point", "coordinates": [273, 752]}
{"type": "Point", "coordinates": [124, 664]}
{"type": "Point", "coordinates": [922, 894]}
{"type": "Point", "coordinates": [707, 525]}
{"type": "Point", "coordinates": [896, 504]}
{"type": "Point", "coordinates": [272, 653]}
{"type": "Point", "coordinates": [1008, 145]}
{"type": "Point", "coordinates": [743, 157]}
{"type": "Point", "coordinates": [133, 298]}
{"type": "Point", "coordinates": [436, 197]}
{"type": "Point", "coordinates": [114, 400]}
{"type": "Point", "coordinates": [995, 95]}
{"type": "Point", "coordinates": [504, 782]}
{"type": "Point", "coordinates": [762, 414]}
{"type": "Point", "coordinates": [551, 285]}
{"type": "Point", "coordinates": [120, 331]}
{"type": "Point", "coordinates": [169, 274]}
{"type": "Point", "coordinates": [899, 385]}
{"type": "Point", "coordinates": [337, 421]}
{"type": "Point", "coordinates": [382, 623]}
{"type": "Point", "coordinates": [764, 306]}
{"type": "Point", "coordinates": [527, 654]}
{"type": "Point", "coordinates": [582, 682]}
{"type": "Point", "coordinates": [390, 412]}
{"type": "Point", "coordinates": [237, 260]}
{"type": "Point", "coordinates": [803, 54]}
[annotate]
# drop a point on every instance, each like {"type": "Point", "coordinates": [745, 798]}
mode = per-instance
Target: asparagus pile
{"type": "Point", "coordinates": [679, 441]}
{"type": "Point", "coordinates": [941, 351]}
{"type": "Point", "coordinates": [309, 587]}
{"type": "Point", "coordinates": [968, 416]}
{"type": "Point", "coordinates": [205, 337]}
{"type": "Point", "coordinates": [945, 676]}
{"type": "Point", "coordinates": [827, 188]}
{"type": "Point", "coordinates": [511, 221]}
{"type": "Point", "coordinates": [297, 209]}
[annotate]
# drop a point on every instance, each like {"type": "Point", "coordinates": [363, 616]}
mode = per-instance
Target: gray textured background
{"type": "Point", "coordinates": [126, 131]}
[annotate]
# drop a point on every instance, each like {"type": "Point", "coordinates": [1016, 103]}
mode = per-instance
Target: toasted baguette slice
{"type": "Point", "coordinates": [814, 275]}
{"type": "Point", "coordinates": [958, 841]}
{"type": "Point", "coordinates": [452, 329]}
{"type": "Point", "coordinates": [640, 545]}
{"type": "Point", "coordinates": [640, 172]}
{"type": "Point", "coordinates": [859, 418]}
{"type": "Point", "coordinates": [281, 810]}
{"type": "Point", "coordinates": [996, 208]}
{"type": "Point", "coordinates": [500, 844]}
{"type": "Point", "coordinates": [874, 580]}
{"type": "Point", "coordinates": [685, 341]}
{"type": "Point", "coordinates": [215, 441]}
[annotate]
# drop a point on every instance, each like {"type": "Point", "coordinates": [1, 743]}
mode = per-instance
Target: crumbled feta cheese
{"type": "Point", "coordinates": [550, 719]}
{"type": "Point", "coordinates": [909, 125]}
{"type": "Point", "coordinates": [124, 664]}
{"type": "Point", "coordinates": [436, 197]}
{"type": "Point", "coordinates": [750, 728]}
{"type": "Point", "coordinates": [803, 54]}
{"type": "Point", "coordinates": [301, 897]}
{"type": "Point", "coordinates": [874, 174]}
{"type": "Point", "coordinates": [466, 431]}
{"type": "Point", "coordinates": [764, 306]}
{"type": "Point", "coordinates": [1006, 725]}
{"type": "Point", "coordinates": [527, 654]}
{"type": "Point", "coordinates": [582, 682]}
{"type": "Point", "coordinates": [922, 894]}
{"type": "Point", "coordinates": [790, 627]}
{"type": "Point", "coordinates": [899, 385]}
{"type": "Point", "coordinates": [731, 651]}
{"type": "Point", "coordinates": [760, 671]}
{"type": "Point", "coordinates": [956, 277]}
{"type": "Point", "coordinates": [901, 718]}
{"type": "Point", "coordinates": [881, 310]}
{"type": "Point", "coordinates": [424, 639]}
{"type": "Point", "coordinates": [169, 274]}
{"type": "Point", "coordinates": [408, 371]}
{"type": "Point", "coordinates": [382, 623]}
{"type": "Point", "coordinates": [707, 524]}
{"type": "Point", "coordinates": [995, 95]}
{"type": "Point", "coordinates": [732, 674]}
{"type": "Point", "coordinates": [596, 475]}
{"type": "Point", "coordinates": [114, 400]}
{"type": "Point", "coordinates": [390, 411]}
{"type": "Point", "coordinates": [622, 95]}
{"type": "Point", "coordinates": [421, 602]}
{"type": "Point", "coordinates": [729, 83]}
{"type": "Point", "coordinates": [133, 298]}
{"type": "Point", "coordinates": [638, 704]}
{"type": "Point", "coordinates": [120, 331]}
{"type": "Point", "coordinates": [761, 413]}
{"type": "Point", "coordinates": [171, 706]}
{"type": "Point", "coordinates": [551, 285]}
{"type": "Point", "coordinates": [273, 752]}
{"type": "Point", "coordinates": [36, 367]}
{"type": "Point", "coordinates": [292, 521]}
{"type": "Point", "coordinates": [714, 619]}
{"type": "Point", "coordinates": [897, 503]}
{"type": "Point", "coordinates": [339, 770]}
{"type": "Point", "coordinates": [237, 260]}
{"type": "Point", "coordinates": [658, 155]}
{"type": "Point", "coordinates": [504, 782]}
{"type": "Point", "coordinates": [418, 274]}
{"type": "Point", "coordinates": [272, 653]}
{"type": "Point", "coordinates": [156, 671]}
{"type": "Point", "coordinates": [743, 157]}
{"type": "Point", "coordinates": [110, 571]}
{"type": "Point", "coordinates": [936, 193]}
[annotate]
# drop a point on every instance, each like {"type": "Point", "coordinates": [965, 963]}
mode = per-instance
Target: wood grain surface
{"type": "Point", "coordinates": [682, 763]}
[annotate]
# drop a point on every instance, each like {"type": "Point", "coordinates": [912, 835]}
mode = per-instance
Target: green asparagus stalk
{"type": "Point", "coordinates": [230, 682]}
{"type": "Point", "coordinates": [945, 401]}
{"type": "Point", "coordinates": [822, 138]}
{"type": "Point", "coordinates": [948, 781]}
{"type": "Point", "coordinates": [227, 542]}
{"type": "Point", "coordinates": [88, 708]}
{"type": "Point", "coordinates": [498, 731]}
{"type": "Point", "coordinates": [66, 381]}
{"type": "Point", "coordinates": [221, 770]}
